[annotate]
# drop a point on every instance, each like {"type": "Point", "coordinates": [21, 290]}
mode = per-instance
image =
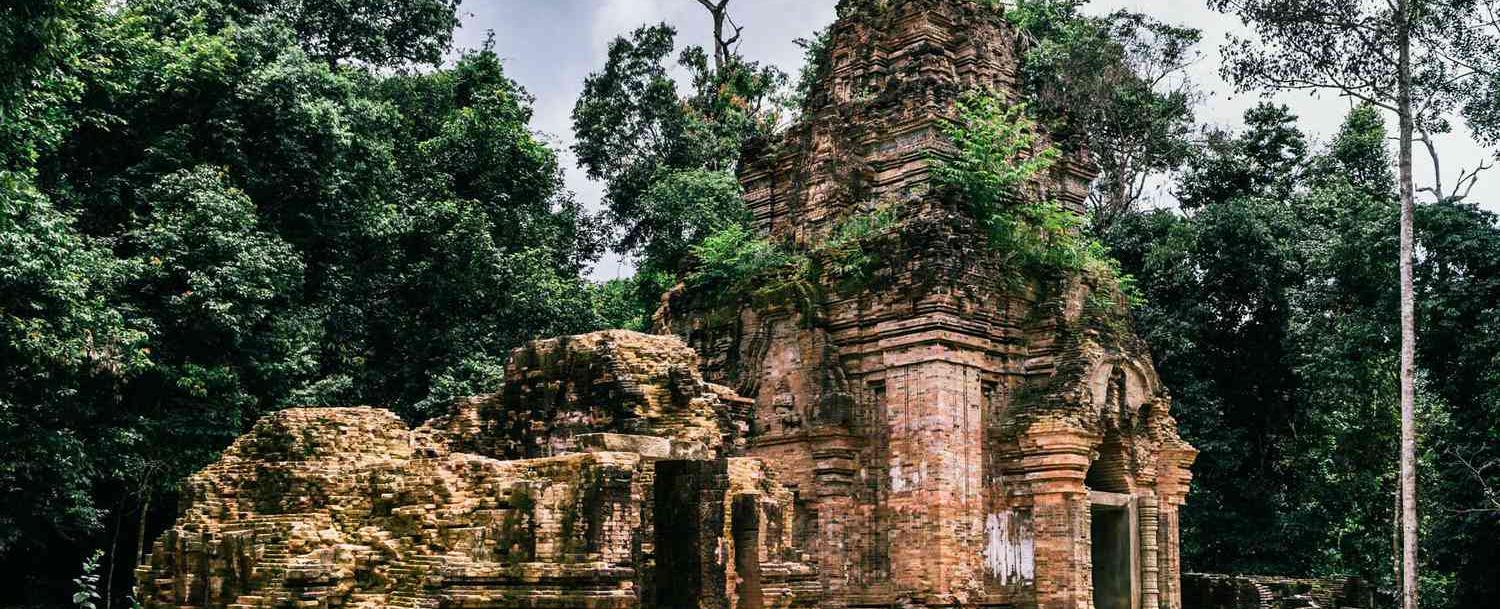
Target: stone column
{"type": "Point", "coordinates": [1172, 489]}
{"type": "Point", "coordinates": [834, 469]}
{"type": "Point", "coordinates": [1150, 555]}
{"type": "Point", "coordinates": [934, 477]}
{"type": "Point", "coordinates": [1171, 561]}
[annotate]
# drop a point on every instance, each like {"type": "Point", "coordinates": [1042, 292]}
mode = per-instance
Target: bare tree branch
{"type": "Point", "coordinates": [1489, 492]}
{"type": "Point", "coordinates": [724, 46]}
{"type": "Point", "coordinates": [1467, 181]}
{"type": "Point", "coordinates": [1467, 178]}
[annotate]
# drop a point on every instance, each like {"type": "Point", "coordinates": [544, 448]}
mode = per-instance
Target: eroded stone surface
{"type": "Point", "coordinates": [617, 382]}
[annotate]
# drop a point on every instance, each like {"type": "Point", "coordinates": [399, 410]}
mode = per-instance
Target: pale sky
{"type": "Point", "coordinates": [550, 46]}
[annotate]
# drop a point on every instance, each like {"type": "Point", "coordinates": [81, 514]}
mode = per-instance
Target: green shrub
{"type": "Point", "coordinates": [998, 155]}
{"type": "Point", "coordinates": [734, 264]}
{"type": "Point", "coordinates": [848, 251]}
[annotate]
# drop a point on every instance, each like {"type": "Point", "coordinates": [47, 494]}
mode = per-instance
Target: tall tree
{"type": "Point", "coordinates": [217, 208]}
{"type": "Point", "coordinates": [1274, 340]}
{"type": "Point", "coordinates": [724, 40]}
{"type": "Point", "coordinates": [1270, 307]}
{"type": "Point", "coordinates": [669, 158]}
{"type": "Point", "coordinates": [1404, 112]}
{"type": "Point", "coordinates": [1266, 160]}
{"type": "Point", "coordinates": [1219, 283]}
{"type": "Point", "coordinates": [1390, 55]}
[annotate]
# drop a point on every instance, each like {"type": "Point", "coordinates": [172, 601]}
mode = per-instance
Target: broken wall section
{"type": "Point", "coordinates": [348, 507]}
{"type": "Point", "coordinates": [1213, 591]}
{"type": "Point", "coordinates": [616, 382]}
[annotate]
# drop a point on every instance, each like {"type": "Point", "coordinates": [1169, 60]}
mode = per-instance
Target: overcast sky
{"type": "Point", "coordinates": [550, 46]}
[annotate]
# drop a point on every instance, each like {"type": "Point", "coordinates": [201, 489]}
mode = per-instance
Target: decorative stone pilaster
{"type": "Point", "coordinates": [835, 455]}
{"type": "Point", "coordinates": [1174, 476]}
{"type": "Point", "coordinates": [1049, 463]}
{"type": "Point", "coordinates": [1150, 551]}
{"type": "Point", "coordinates": [1171, 559]}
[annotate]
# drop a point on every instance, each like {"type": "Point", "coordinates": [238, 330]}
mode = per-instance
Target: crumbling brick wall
{"type": "Point", "coordinates": [616, 382]}
{"type": "Point", "coordinates": [350, 508]}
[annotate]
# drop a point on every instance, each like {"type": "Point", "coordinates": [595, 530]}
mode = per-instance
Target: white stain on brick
{"type": "Point", "coordinates": [1009, 549]}
{"type": "Point", "coordinates": [907, 478]}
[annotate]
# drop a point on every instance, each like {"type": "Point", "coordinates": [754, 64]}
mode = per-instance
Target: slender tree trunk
{"type": "Point", "coordinates": [1408, 318]}
{"type": "Point", "coordinates": [719, 10]}
{"type": "Point", "coordinates": [721, 53]}
{"type": "Point", "coordinates": [140, 532]}
{"type": "Point", "coordinates": [114, 557]}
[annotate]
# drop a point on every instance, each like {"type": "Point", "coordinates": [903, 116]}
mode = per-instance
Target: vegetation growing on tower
{"type": "Point", "coordinates": [999, 157]}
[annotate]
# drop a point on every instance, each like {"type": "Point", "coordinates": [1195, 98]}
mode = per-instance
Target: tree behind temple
{"type": "Point", "coordinates": [1389, 55]}
{"type": "Point", "coordinates": [211, 213]}
{"type": "Point", "coordinates": [1116, 86]}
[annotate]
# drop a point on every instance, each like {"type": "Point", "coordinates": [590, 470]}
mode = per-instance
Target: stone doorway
{"type": "Point", "coordinates": [1113, 551]}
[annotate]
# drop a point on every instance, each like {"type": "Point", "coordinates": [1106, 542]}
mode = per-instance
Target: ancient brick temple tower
{"type": "Point", "coordinates": [952, 439]}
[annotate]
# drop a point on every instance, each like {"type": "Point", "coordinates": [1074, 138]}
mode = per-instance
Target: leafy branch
{"type": "Point", "coordinates": [734, 264]}
{"type": "Point", "coordinates": [86, 586]}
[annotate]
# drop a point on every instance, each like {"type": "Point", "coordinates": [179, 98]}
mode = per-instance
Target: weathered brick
{"type": "Point", "coordinates": [946, 428]}
{"type": "Point", "coordinates": [349, 508]}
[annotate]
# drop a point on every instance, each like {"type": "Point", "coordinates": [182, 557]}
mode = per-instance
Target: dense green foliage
{"type": "Point", "coordinates": [1472, 40]}
{"type": "Point", "coordinates": [999, 156]}
{"type": "Point", "coordinates": [735, 266]}
{"type": "Point", "coordinates": [667, 154]}
{"type": "Point", "coordinates": [217, 208]}
{"type": "Point", "coordinates": [1114, 85]}
{"type": "Point", "coordinates": [659, 151]}
{"type": "Point", "coordinates": [1270, 305]}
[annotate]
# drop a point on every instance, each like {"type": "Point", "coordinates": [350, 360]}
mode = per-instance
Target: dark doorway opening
{"type": "Point", "coordinates": [1112, 558]}
{"type": "Point", "coordinates": [687, 536]}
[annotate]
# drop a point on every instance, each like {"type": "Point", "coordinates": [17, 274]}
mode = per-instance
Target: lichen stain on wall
{"type": "Point", "coordinates": [1010, 548]}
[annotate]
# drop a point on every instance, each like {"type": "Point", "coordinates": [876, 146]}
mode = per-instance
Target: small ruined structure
{"type": "Point", "coordinates": [598, 479]}
{"type": "Point", "coordinates": [1207, 591]}
{"type": "Point", "coordinates": [939, 433]}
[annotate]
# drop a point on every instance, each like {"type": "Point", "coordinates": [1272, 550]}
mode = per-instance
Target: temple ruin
{"type": "Point", "coordinates": [952, 439]}
{"type": "Point", "coordinates": [934, 435]}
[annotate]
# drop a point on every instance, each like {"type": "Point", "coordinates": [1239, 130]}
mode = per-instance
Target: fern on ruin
{"type": "Point", "coordinates": [849, 253]}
